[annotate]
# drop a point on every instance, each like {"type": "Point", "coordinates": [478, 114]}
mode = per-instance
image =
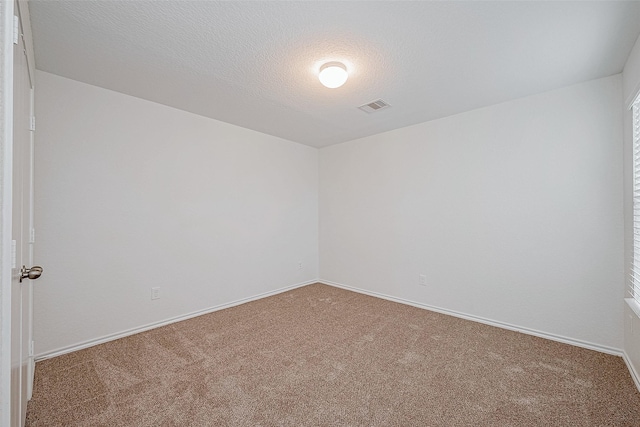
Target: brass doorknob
{"type": "Point", "coordinates": [30, 273]}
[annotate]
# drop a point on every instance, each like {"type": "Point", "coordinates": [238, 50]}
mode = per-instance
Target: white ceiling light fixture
{"type": "Point", "coordinates": [333, 74]}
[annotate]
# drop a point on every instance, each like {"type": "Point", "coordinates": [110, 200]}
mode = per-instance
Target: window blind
{"type": "Point", "coordinates": [635, 267]}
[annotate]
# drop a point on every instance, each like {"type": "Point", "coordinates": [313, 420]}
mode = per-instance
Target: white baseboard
{"type": "Point", "coordinates": [552, 337]}
{"type": "Point", "coordinates": [632, 369]}
{"type": "Point", "coordinates": [132, 331]}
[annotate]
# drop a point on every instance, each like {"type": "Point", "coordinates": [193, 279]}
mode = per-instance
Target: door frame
{"type": "Point", "coordinates": [32, 154]}
{"type": "Point", "coordinates": [6, 194]}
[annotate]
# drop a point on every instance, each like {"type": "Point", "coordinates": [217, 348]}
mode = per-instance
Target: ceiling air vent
{"type": "Point", "coordinates": [374, 106]}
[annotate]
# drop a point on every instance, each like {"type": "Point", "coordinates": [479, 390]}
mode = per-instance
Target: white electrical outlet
{"type": "Point", "coordinates": [300, 265]}
{"type": "Point", "coordinates": [155, 293]}
{"type": "Point", "coordinates": [422, 280]}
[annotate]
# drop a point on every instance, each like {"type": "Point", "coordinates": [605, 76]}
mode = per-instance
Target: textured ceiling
{"type": "Point", "coordinates": [254, 64]}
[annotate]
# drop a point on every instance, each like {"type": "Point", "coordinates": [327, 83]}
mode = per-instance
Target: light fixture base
{"type": "Point", "coordinates": [333, 74]}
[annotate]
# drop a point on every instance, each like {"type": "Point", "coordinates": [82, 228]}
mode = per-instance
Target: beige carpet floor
{"type": "Point", "coordinates": [322, 356]}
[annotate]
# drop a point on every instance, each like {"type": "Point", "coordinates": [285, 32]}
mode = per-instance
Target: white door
{"type": "Point", "coordinates": [21, 358]}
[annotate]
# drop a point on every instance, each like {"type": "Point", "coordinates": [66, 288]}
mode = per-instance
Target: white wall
{"type": "Point", "coordinates": [631, 75]}
{"type": "Point", "coordinates": [513, 212]}
{"type": "Point", "coordinates": [131, 194]}
{"type": "Point", "coordinates": [630, 87]}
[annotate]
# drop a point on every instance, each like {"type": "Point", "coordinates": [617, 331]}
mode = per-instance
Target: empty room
{"type": "Point", "coordinates": [320, 213]}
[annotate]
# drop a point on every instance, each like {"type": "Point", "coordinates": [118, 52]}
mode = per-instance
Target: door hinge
{"type": "Point", "coordinates": [13, 253]}
{"type": "Point", "coordinates": [32, 236]}
{"type": "Point", "coordinates": [32, 348]}
{"type": "Point", "coordinates": [32, 123]}
{"type": "Point", "coordinates": [16, 29]}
